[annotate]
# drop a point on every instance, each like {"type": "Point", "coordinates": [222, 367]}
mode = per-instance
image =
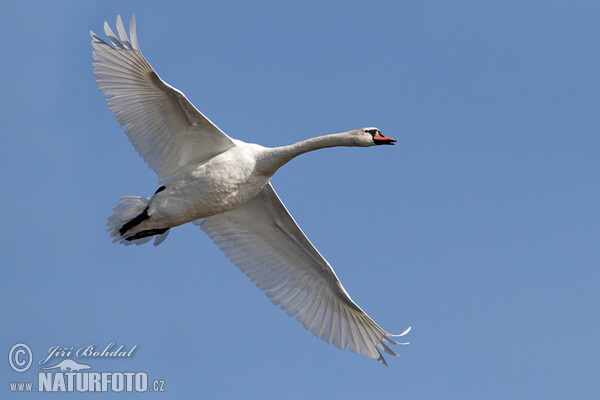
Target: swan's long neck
{"type": "Point", "coordinates": [280, 156]}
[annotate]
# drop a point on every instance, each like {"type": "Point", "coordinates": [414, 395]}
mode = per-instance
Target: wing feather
{"type": "Point", "coordinates": [163, 126]}
{"type": "Point", "coordinates": [265, 242]}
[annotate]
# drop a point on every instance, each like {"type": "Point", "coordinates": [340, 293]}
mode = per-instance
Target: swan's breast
{"type": "Point", "coordinates": [222, 184]}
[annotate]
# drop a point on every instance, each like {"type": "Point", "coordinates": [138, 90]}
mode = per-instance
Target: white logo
{"type": "Point", "coordinates": [71, 376]}
{"type": "Point", "coordinates": [68, 365]}
{"type": "Point", "coordinates": [14, 357]}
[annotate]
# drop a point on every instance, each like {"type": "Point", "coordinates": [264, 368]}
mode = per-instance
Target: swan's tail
{"type": "Point", "coordinates": [132, 211]}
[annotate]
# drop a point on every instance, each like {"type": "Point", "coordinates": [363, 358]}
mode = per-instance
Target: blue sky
{"type": "Point", "coordinates": [480, 228]}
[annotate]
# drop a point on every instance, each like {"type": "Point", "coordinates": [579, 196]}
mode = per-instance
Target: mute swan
{"type": "Point", "coordinates": [222, 185]}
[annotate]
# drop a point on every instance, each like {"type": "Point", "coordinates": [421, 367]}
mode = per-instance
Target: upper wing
{"type": "Point", "coordinates": [163, 126]}
{"type": "Point", "coordinates": [264, 241]}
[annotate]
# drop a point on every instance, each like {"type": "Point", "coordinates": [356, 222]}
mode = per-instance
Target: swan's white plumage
{"type": "Point", "coordinates": [259, 236]}
{"type": "Point", "coordinates": [264, 241]}
{"type": "Point", "coordinates": [163, 126]}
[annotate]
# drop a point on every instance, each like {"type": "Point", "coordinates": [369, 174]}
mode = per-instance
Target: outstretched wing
{"type": "Point", "coordinates": [163, 126]}
{"type": "Point", "coordinates": [264, 241]}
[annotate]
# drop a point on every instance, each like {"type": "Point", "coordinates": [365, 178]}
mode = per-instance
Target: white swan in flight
{"type": "Point", "coordinates": [222, 185]}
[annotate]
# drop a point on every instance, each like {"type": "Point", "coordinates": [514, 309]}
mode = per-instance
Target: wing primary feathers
{"type": "Point", "coordinates": [123, 34]}
{"type": "Point", "coordinates": [133, 34]}
{"type": "Point", "coordinates": [163, 126]}
{"type": "Point", "coordinates": [264, 241]}
{"type": "Point", "coordinates": [112, 37]}
{"type": "Point", "coordinates": [388, 350]}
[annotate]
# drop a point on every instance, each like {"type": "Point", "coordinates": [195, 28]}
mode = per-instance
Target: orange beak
{"type": "Point", "coordinates": [380, 138]}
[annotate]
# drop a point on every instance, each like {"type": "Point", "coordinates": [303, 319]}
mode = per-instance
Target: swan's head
{"type": "Point", "coordinates": [371, 137]}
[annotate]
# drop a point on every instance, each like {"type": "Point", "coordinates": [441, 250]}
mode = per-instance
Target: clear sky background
{"type": "Point", "coordinates": [480, 228]}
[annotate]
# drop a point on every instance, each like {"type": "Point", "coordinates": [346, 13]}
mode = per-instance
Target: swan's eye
{"type": "Point", "coordinates": [371, 132]}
